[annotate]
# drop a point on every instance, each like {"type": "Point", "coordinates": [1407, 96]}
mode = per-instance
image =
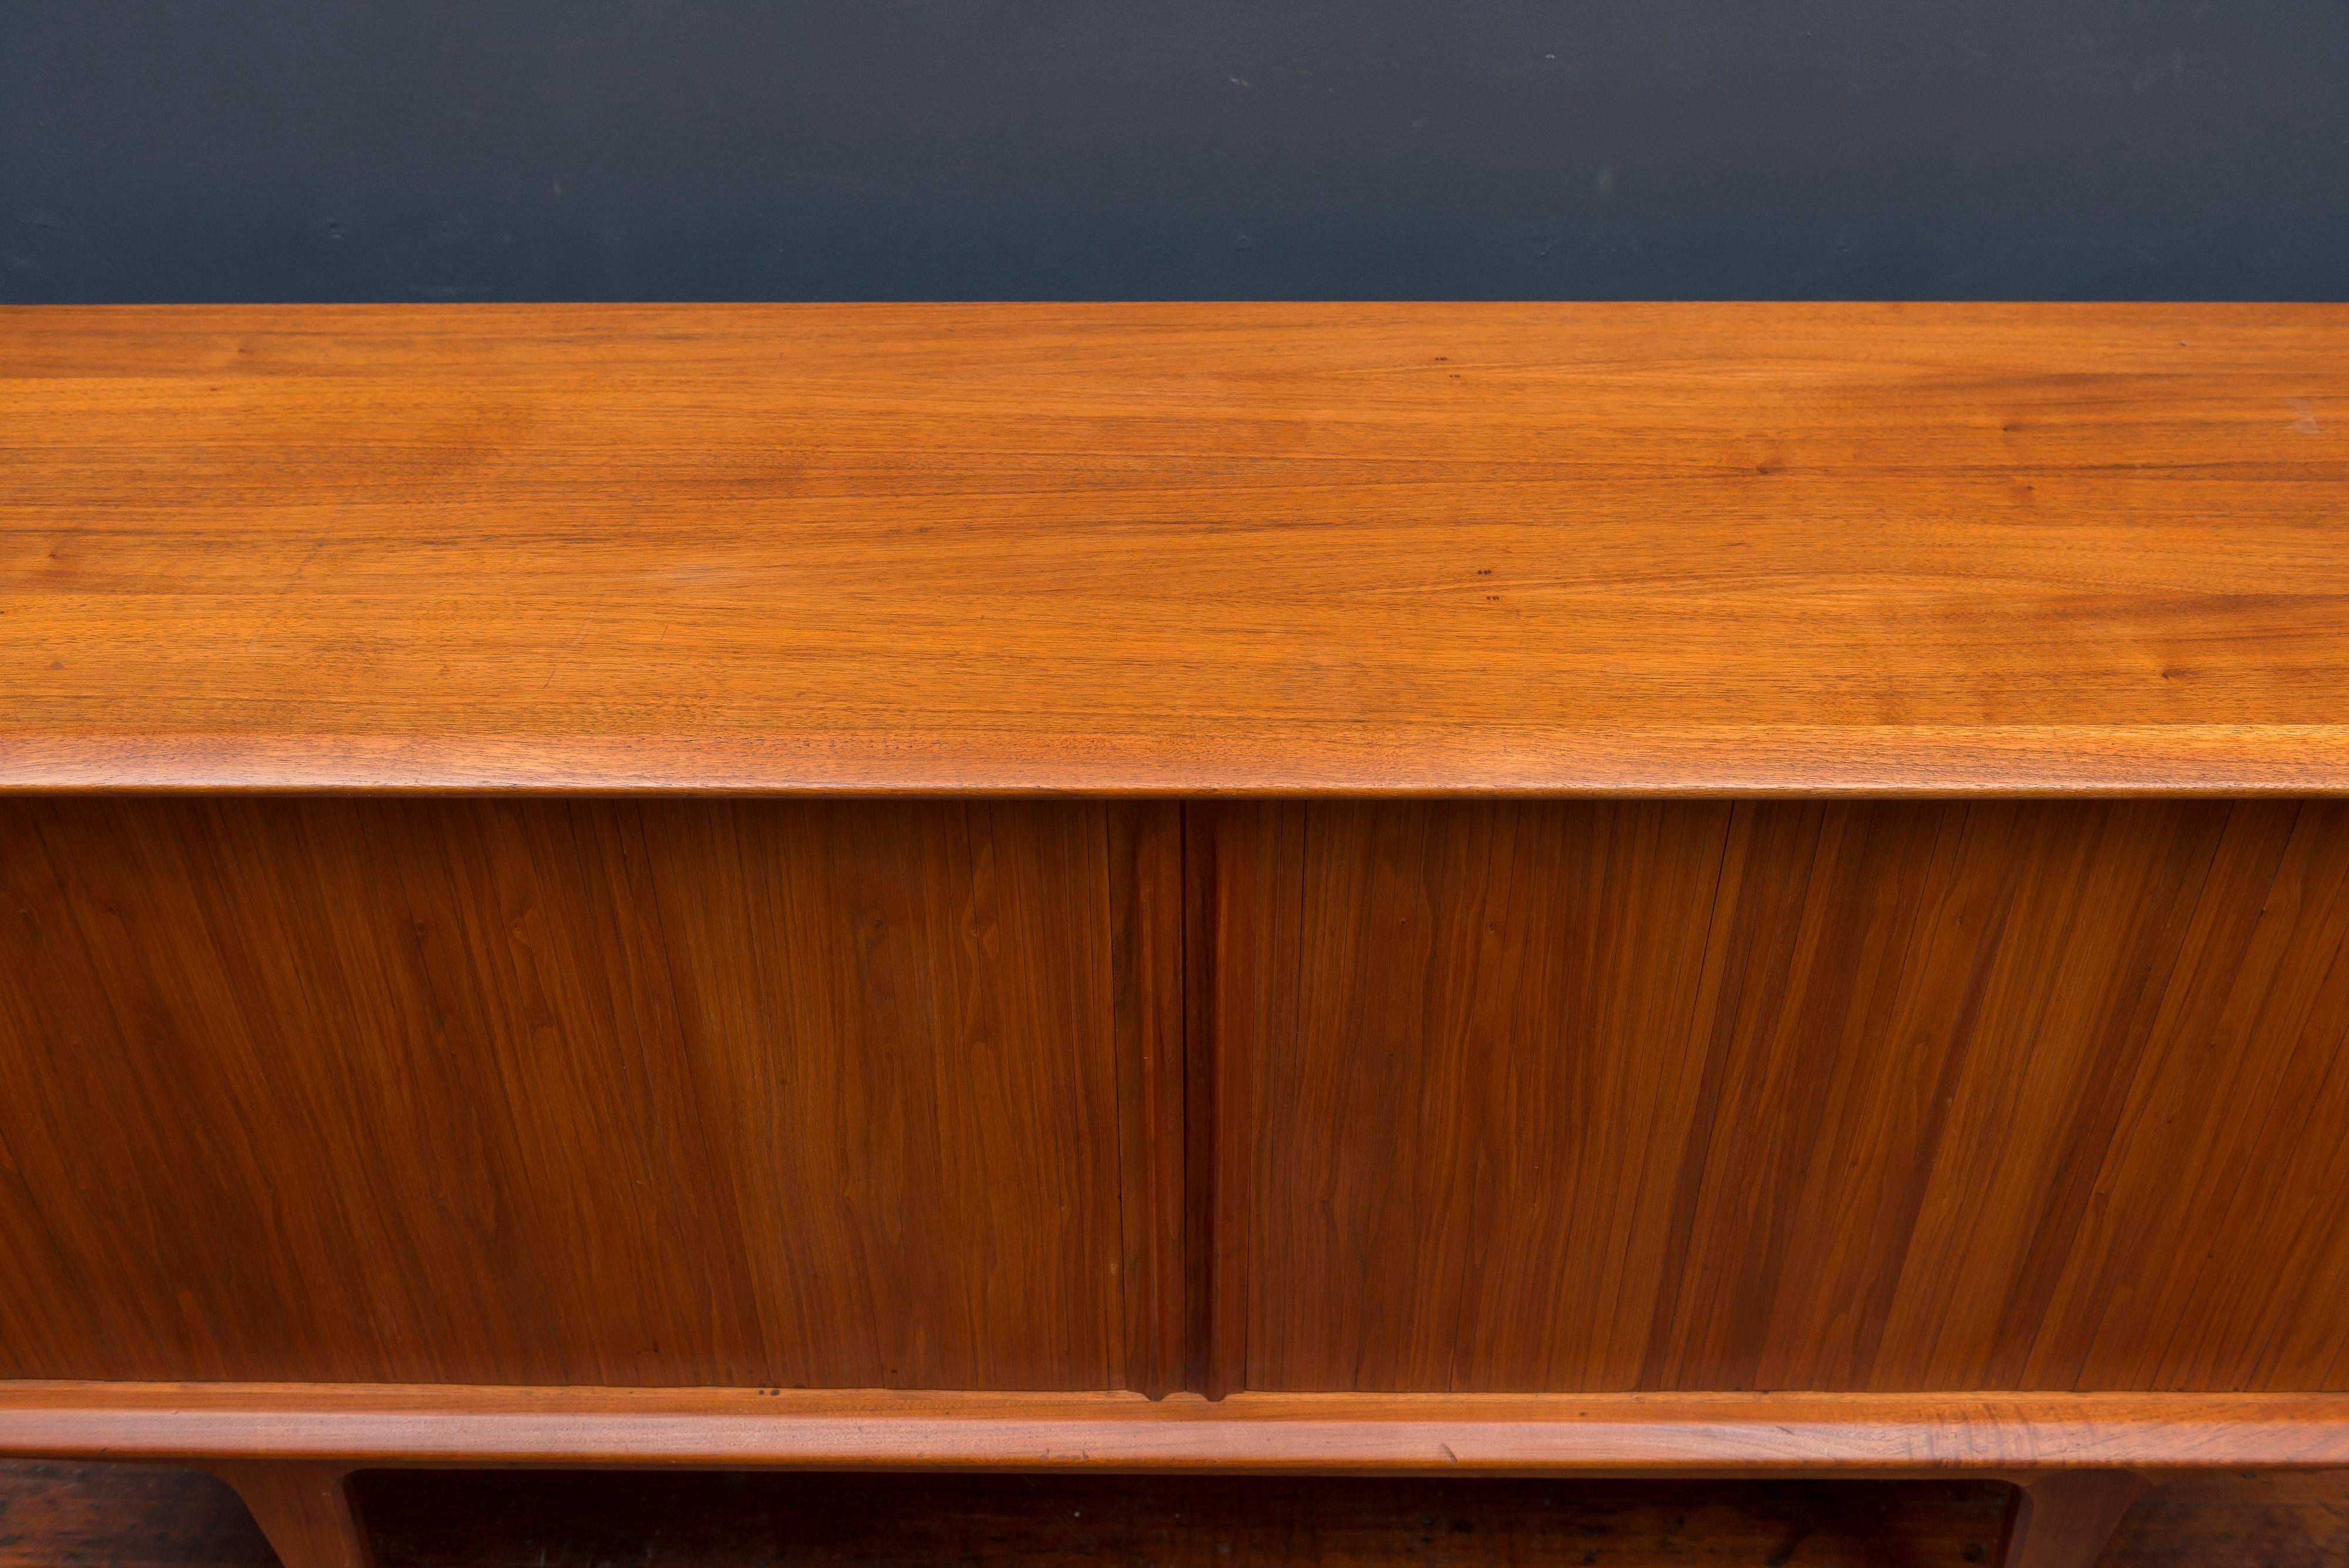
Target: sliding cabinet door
{"type": "Point", "coordinates": [1776, 1096]}
{"type": "Point", "coordinates": [750, 1094]}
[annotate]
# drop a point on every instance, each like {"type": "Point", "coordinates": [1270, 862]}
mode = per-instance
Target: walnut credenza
{"type": "Point", "coordinates": [1598, 889]}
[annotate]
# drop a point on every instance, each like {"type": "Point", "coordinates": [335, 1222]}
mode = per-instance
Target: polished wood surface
{"type": "Point", "coordinates": [2007, 1435]}
{"type": "Point", "coordinates": [748, 1094]}
{"type": "Point", "coordinates": [1146, 900]}
{"type": "Point", "coordinates": [1179, 548]}
{"type": "Point", "coordinates": [1444, 1096]}
{"type": "Point", "coordinates": [508, 1096]}
{"type": "Point", "coordinates": [1779, 1095]}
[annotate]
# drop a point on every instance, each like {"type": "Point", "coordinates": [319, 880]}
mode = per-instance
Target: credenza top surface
{"type": "Point", "coordinates": [1177, 548]}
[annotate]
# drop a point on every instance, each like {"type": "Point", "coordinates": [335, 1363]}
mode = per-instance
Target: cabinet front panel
{"type": "Point", "coordinates": [752, 1094]}
{"type": "Point", "coordinates": [1788, 1095]}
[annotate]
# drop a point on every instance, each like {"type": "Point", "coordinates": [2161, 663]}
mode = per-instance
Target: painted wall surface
{"type": "Point", "coordinates": [312, 150]}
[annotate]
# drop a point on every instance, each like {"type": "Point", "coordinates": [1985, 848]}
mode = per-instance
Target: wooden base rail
{"type": "Point", "coordinates": [2079, 1461]}
{"type": "Point", "coordinates": [1497, 1433]}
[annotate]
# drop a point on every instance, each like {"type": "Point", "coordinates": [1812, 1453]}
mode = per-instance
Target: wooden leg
{"type": "Point", "coordinates": [306, 1510]}
{"type": "Point", "coordinates": [2064, 1518]}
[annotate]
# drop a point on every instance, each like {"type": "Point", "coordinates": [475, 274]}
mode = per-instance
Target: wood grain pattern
{"type": "Point", "coordinates": [1146, 854]}
{"type": "Point", "coordinates": [1805, 549]}
{"type": "Point", "coordinates": [1828, 1097]}
{"type": "Point", "coordinates": [1999, 1435]}
{"type": "Point", "coordinates": [1240, 866]}
{"type": "Point", "coordinates": [752, 1094]}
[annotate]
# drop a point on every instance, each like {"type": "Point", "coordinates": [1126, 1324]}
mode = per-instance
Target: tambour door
{"type": "Point", "coordinates": [1934, 1096]}
{"type": "Point", "coordinates": [765, 1094]}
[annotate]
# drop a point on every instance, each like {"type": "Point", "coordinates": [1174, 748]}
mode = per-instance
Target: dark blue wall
{"type": "Point", "coordinates": [299, 149]}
